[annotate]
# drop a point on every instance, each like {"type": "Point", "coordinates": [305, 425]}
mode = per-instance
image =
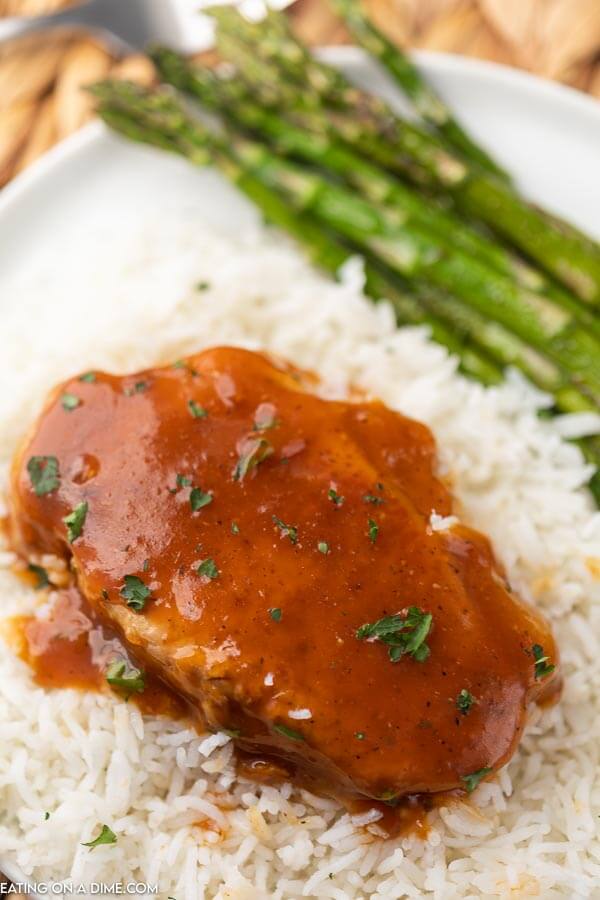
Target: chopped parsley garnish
{"type": "Point", "coordinates": [335, 498]}
{"type": "Point", "coordinates": [130, 680]}
{"type": "Point", "coordinates": [198, 499]}
{"type": "Point", "coordinates": [196, 411]}
{"type": "Point", "coordinates": [137, 388]}
{"type": "Point", "coordinates": [69, 402]}
{"type": "Point", "coordinates": [146, 565]}
{"type": "Point", "coordinates": [75, 521]}
{"type": "Point", "coordinates": [46, 816]}
{"type": "Point", "coordinates": [253, 452]}
{"type": "Point", "coordinates": [542, 667]}
{"type": "Point", "coordinates": [183, 481]}
{"type": "Point", "coordinates": [41, 575]}
{"type": "Point", "coordinates": [43, 473]}
{"type": "Point", "coordinates": [323, 547]}
{"type": "Point", "coordinates": [202, 285]}
{"type": "Point", "coordinates": [275, 614]}
{"type": "Point", "coordinates": [208, 569]}
{"type": "Point", "coordinates": [134, 592]}
{"type": "Point", "coordinates": [373, 530]}
{"type": "Point", "coordinates": [471, 781]}
{"type": "Point", "coordinates": [287, 530]}
{"type": "Point", "coordinates": [371, 498]}
{"type": "Point", "coordinates": [106, 836]}
{"type": "Point", "coordinates": [404, 635]}
{"type": "Point", "coordinates": [232, 732]}
{"type": "Point", "coordinates": [464, 701]}
{"type": "Point", "coordinates": [235, 528]}
{"type": "Point", "coordinates": [179, 364]}
{"type": "Point", "coordinates": [289, 732]}
{"type": "Point", "coordinates": [88, 377]}
{"type": "Point", "coordinates": [359, 735]}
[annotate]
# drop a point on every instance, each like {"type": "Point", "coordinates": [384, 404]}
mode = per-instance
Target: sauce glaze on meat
{"type": "Point", "coordinates": [265, 526]}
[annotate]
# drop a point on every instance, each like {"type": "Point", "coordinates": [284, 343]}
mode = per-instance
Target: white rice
{"type": "Point", "coordinates": [183, 819]}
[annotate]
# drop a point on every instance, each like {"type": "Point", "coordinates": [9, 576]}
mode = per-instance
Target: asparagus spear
{"type": "Point", "coordinates": [411, 253]}
{"type": "Point", "coordinates": [427, 103]}
{"type": "Point", "coordinates": [147, 118]}
{"type": "Point", "coordinates": [374, 128]}
{"type": "Point", "coordinates": [501, 345]}
{"type": "Point", "coordinates": [160, 120]}
{"type": "Point", "coordinates": [279, 66]}
{"type": "Point", "coordinates": [231, 98]}
{"type": "Point", "coordinates": [415, 254]}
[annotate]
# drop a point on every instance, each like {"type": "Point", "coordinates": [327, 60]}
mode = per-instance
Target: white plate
{"type": "Point", "coordinates": [101, 192]}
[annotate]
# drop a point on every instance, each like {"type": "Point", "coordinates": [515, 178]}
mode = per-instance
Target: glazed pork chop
{"type": "Point", "coordinates": [270, 555]}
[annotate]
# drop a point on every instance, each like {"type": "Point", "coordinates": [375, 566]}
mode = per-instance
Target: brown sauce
{"type": "Point", "coordinates": [239, 533]}
{"type": "Point", "coordinates": [59, 654]}
{"type": "Point", "coordinates": [65, 660]}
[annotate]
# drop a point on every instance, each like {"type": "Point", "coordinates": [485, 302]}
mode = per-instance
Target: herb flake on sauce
{"type": "Point", "coordinates": [208, 569]}
{"type": "Point", "coordinates": [373, 530]}
{"type": "Point", "coordinates": [289, 531]}
{"type": "Point", "coordinates": [404, 635]}
{"type": "Point", "coordinates": [197, 411]}
{"type": "Point", "coordinates": [134, 592]}
{"type": "Point", "coordinates": [199, 499]}
{"type": "Point", "coordinates": [43, 474]}
{"type": "Point", "coordinates": [130, 680]}
{"type": "Point", "coordinates": [75, 521]}
{"type": "Point", "coordinates": [542, 667]}
{"type": "Point", "coordinates": [275, 614]}
{"type": "Point", "coordinates": [335, 498]}
{"type": "Point", "coordinates": [69, 402]}
{"type": "Point", "coordinates": [371, 498]}
{"type": "Point", "coordinates": [252, 452]}
{"type": "Point", "coordinates": [464, 701]}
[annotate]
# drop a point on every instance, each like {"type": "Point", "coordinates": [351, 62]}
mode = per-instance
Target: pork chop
{"type": "Point", "coordinates": [270, 555]}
